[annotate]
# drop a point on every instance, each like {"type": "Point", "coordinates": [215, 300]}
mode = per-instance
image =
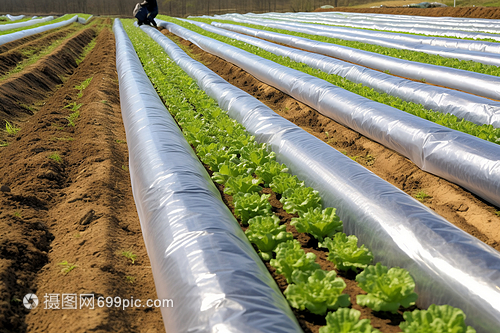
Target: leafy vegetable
{"type": "Point", "coordinates": [284, 181]}
{"type": "Point", "coordinates": [242, 184]}
{"type": "Point", "coordinates": [387, 288]}
{"type": "Point", "coordinates": [269, 170]}
{"type": "Point", "coordinates": [257, 154]}
{"type": "Point", "coordinates": [346, 321]}
{"type": "Point", "coordinates": [345, 253]}
{"type": "Point", "coordinates": [318, 223]}
{"type": "Point", "coordinates": [266, 233]}
{"type": "Point", "coordinates": [290, 256]}
{"type": "Point", "coordinates": [249, 205]}
{"type": "Point", "coordinates": [318, 292]}
{"type": "Point", "coordinates": [438, 318]}
{"type": "Point", "coordinates": [300, 199]}
{"type": "Point", "coordinates": [214, 154]}
{"type": "Point", "coordinates": [229, 169]}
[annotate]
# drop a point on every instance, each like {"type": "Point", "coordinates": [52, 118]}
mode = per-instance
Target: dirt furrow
{"type": "Point", "coordinates": [66, 223]}
{"type": "Point", "coordinates": [23, 93]}
{"type": "Point", "coordinates": [11, 58]}
{"type": "Point", "coordinates": [454, 203]}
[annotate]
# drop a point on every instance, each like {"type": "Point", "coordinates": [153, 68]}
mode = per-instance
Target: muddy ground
{"type": "Point", "coordinates": [67, 215]}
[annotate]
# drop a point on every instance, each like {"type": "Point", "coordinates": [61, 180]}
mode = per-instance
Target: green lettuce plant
{"type": "Point", "coordinates": [300, 199]}
{"type": "Point", "coordinates": [284, 181]}
{"type": "Point", "coordinates": [229, 169]}
{"type": "Point", "coordinates": [248, 205]}
{"type": "Point", "coordinates": [242, 184]}
{"type": "Point", "coordinates": [266, 233]}
{"type": "Point", "coordinates": [345, 253]}
{"type": "Point", "coordinates": [387, 288]}
{"type": "Point", "coordinates": [318, 292]}
{"type": "Point", "coordinates": [269, 170]}
{"type": "Point", "coordinates": [438, 318]}
{"type": "Point", "coordinates": [290, 256]}
{"type": "Point", "coordinates": [319, 223]}
{"type": "Point", "coordinates": [346, 321]}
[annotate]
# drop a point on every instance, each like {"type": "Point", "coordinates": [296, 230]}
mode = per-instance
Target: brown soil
{"type": "Point", "coordinates": [10, 59]}
{"type": "Point", "coordinates": [79, 210]}
{"type": "Point", "coordinates": [21, 93]}
{"type": "Point", "coordinates": [454, 203]}
{"type": "Point", "coordinates": [471, 12]}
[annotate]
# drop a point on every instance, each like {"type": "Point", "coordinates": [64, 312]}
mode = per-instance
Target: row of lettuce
{"type": "Point", "coordinates": [397, 53]}
{"type": "Point", "coordinates": [243, 166]}
{"type": "Point", "coordinates": [485, 132]}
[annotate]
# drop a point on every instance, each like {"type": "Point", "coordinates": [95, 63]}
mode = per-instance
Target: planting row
{"type": "Point", "coordinates": [222, 144]}
{"type": "Point", "coordinates": [432, 147]}
{"type": "Point", "coordinates": [377, 50]}
{"type": "Point", "coordinates": [15, 34]}
{"type": "Point", "coordinates": [211, 84]}
{"type": "Point", "coordinates": [199, 255]}
{"type": "Point", "coordinates": [454, 27]}
{"type": "Point", "coordinates": [462, 105]}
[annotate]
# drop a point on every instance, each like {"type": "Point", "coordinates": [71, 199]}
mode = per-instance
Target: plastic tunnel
{"type": "Point", "coordinates": [200, 257]}
{"type": "Point", "coordinates": [28, 32]}
{"type": "Point", "coordinates": [448, 265]}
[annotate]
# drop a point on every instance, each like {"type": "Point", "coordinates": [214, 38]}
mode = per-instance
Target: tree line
{"type": "Point", "coordinates": [177, 8]}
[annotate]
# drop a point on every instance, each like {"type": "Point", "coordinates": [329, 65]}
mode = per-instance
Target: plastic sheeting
{"type": "Point", "coordinates": [458, 157]}
{"type": "Point", "coordinates": [475, 83]}
{"type": "Point", "coordinates": [14, 18]}
{"type": "Point", "coordinates": [448, 265]}
{"type": "Point", "coordinates": [10, 26]}
{"type": "Point", "coordinates": [470, 107]}
{"type": "Point", "coordinates": [457, 28]}
{"type": "Point", "coordinates": [486, 58]}
{"type": "Point", "coordinates": [200, 257]}
{"type": "Point", "coordinates": [28, 32]}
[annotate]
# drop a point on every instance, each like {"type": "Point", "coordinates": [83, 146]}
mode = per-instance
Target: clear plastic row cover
{"type": "Point", "coordinates": [14, 18]}
{"type": "Point", "coordinates": [28, 32]}
{"type": "Point", "coordinates": [458, 157]}
{"type": "Point", "coordinates": [200, 257]}
{"type": "Point", "coordinates": [404, 43]}
{"type": "Point", "coordinates": [376, 36]}
{"type": "Point", "coordinates": [4, 27]}
{"type": "Point", "coordinates": [475, 83]}
{"type": "Point", "coordinates": [428, 27]}
{"type": "Point", "coordinates": [448, 265]}
{"type": "Point", "coordinates": [470, 107]}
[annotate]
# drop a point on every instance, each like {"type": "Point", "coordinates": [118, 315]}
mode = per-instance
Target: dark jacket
{"type": "Point", "coordinates": [150, 5]}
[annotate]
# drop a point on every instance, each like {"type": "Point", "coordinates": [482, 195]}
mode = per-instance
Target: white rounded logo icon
{"type": "Point", "coordinates": [30, 301]}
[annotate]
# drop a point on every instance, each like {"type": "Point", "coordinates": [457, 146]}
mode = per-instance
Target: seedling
{"type": "Point", "coordinates": [387, 71]}
{"type": "Point", "coordinates": [421, 196]}
{"type": "Point", "coordinates": [67, 267]}
{"type": "Point", "coordinates": [77, 235]}
{"type": "Point", "coordinates": [72, 118]}
{"type": "Point", "coordinates": [129, 255]}
{"type": "Point", "coordinates": [104, 101]}
{"type": "Point", "coordinates": [497, 212]}
{"type": "Point", "coordinates": [11, 129]}
{"type": "Point", "coordinates": [55, 157]}
{"type": "Point", "coordinates": [4, 144]}
{"type": "Point", "coordinates": [125, 168]}
{"type": "Point", "coordinates": [15, 300]}
{"type": "Point", "coordinates": [423, 80]}
{"type": "Point", "coordinates": [17, 214]}
{"type": "Point", "coordinates": [73, 106]}
{"type": "Point", "coordinates": [130, 279]}
{"type": "Point", "coordinates": [121, 141]}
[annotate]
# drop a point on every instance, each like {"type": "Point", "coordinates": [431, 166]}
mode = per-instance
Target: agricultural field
{"type": "Point", "coordinates": [316, 172]}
